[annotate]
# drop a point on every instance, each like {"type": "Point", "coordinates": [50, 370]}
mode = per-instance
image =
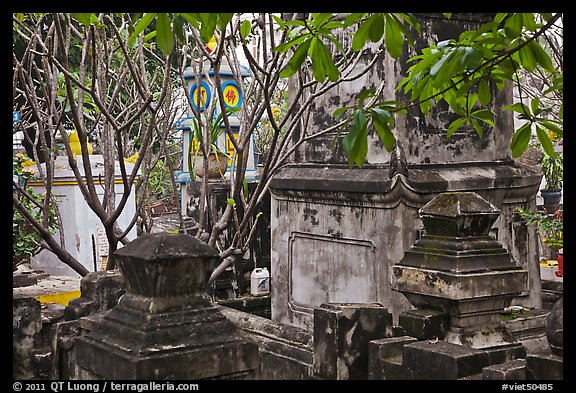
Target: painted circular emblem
{"type": "Point", "coordinates": [232, 97]}
{"type": "Point", "coordinates": [200, 96]}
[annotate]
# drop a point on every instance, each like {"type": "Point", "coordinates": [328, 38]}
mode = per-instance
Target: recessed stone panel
{"type": "Point", "coordinates": [324, 269]}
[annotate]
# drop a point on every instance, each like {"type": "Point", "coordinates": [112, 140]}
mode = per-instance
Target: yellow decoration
{"type": "Point", "coordinates": [75, 144]}
{"type": "Point", "coordinates": [211, 44]}
{"type": "Point", "coordinates": [132, 159]}
{"type": "Point", "coordinates": [60, 297]}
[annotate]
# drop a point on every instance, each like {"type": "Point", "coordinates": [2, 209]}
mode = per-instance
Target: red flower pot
{"type": "Point", "coordinates": [560, 271]}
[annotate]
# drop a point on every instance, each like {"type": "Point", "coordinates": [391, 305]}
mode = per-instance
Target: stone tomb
{"type": "Point", "coordinates": [165, 326]}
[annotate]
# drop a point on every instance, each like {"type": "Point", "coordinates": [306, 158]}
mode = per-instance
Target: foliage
{"type": "Point", "coordinates": [26, 241]}
{"type": "Point", "coordinates": [78, 71]}
{"type": "Point", "coordinates": [460, 72]}
{"type": "Point", "coordinates": [550, 227]}
{"type": "Point", "coordinates": [356, 141]}
{"type": "Point", "coordinates": [264, 132]}
{"type": "Point", "coordinates": [306, 37]}
{"type": "Point", "coordinates": [215, 130]}
{"type": "Point", "coordinates": [159, 183]}
{"type": "Point", "coordinates": [553, 171]}
{"type": "Point", "coordinates": [133, 59]}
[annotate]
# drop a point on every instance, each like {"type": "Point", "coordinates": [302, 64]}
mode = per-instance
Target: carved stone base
{"type": "Point", "coordinates": [195, 343]}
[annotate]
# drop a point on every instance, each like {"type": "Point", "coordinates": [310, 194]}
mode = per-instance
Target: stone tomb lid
{"type": "Point", "coordinates": [152, 246]}
{"type": "Point", "coordinates": [458, 214]}
{"type": "Point", "coordinates": [455, 204]}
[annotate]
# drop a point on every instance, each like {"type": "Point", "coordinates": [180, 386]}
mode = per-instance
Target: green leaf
{"type": "Point", "coordinates": [412, 22]}
{"type": "Point", "coordinates": [365, 94]}
{"type": "Point", "coordinates": [551, 126]}
{"type": "Point", "coordinates": [318, 19]}
{"type": "Point", "coordinates": [541, 56]}
{"type": "Point", "coordinates": [527, 58]}
{"type": "Point", "coordinates": [471, 58]}
{"type": "Point", "coordinates": [528, 21]}
{"type": "Point", "coordinates": [208, 27]}
{"type": "Point", "coordinates": [231, 201]}
{"type": "Point", "coordinates": [83, 18]}
{"type": "Point", "coordinates": [356, 142]}
{"type": "Point", "coordinates": [297, 59]}
{"type": "Point", "coordinates": [150, 35]}
{"type": "Point", "coordinates": [518, 107]}
{"type": "Point", "coordinates": [382, 120]}
{"type": "Point", "coordinates": [245, 188]}
{"type": "Point", "coordinates": [283, 47]}
{"type": "Point", "coordinates": [485, 115]}
{"type": "Point", "coordinates": [224, 19]}
{"type": "Point", "coordinates": [545, 141]}
{"type": "Point", "coordinates": [278, 21]}
{"type": "Point", "coordinates": [509, 67]}
{"type": "Point", "coordinates": [376, 28]}
{"type": "Point", "coordinates": [337, 114]}
{"type": "Point", "coordinates": [322, 63]}
{"type": "Point", "coordinates": [520, 140]}
{"type": "Point", "coordinates": [361, 35]}
{"type": "Point", "coordinates": [179, 28]}
{"type": "Point", "coordinates": [484, 94]}
{"type": "Point", "coordinates": [164, 35]}
{"type": "Point", "coordinates": [394, 39]}
{"type": "Point", "coordinates": [245, 29]}
{"type": "Point", "coordinates": [471, 101]}
{"type": "Point", "coordinates": [477, 127]}
{"type": "Point", "coordinates": [192, 19]}
{"type": "Point", "coordinates": [455, 125]}
{"type": "Point", "coordinates": [140, 26]}
{"type": "Point", "coordinates": [535, 106]}
{"type": "Point", "coordinates": [513, 26]}
{"type": "Point", "coordinates": [447, 67]}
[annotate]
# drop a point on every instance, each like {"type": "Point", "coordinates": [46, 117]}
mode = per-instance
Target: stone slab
{"type": "Point", "coordinates": [441, 360]}
{"type": "Point", "coordinates": [342, 333]}
{"type": "Point", "coordinates": [425, 324]}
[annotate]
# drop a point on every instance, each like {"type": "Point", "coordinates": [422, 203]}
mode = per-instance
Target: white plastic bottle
{"type": "Point", "coordinates": [260, 281]}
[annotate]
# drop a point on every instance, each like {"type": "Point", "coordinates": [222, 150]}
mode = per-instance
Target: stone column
{"type": "Point", "coordinates": [457, 268]}
{"type": "Point", "coordinates": [165, 326]}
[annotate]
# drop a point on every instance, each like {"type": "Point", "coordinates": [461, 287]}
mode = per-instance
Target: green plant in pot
{"type": "Point", "coordinates": [217, 159]}
{"type": "Point", "coordinates": [553, 172]}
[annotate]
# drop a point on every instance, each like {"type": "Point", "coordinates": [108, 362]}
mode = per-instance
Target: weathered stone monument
{"type": "Point", "coordinates": [165, 326]}
{"type": "Point", "coordinates": [459, 269]}
{"type": "Point", "coordinates": [336, 230]}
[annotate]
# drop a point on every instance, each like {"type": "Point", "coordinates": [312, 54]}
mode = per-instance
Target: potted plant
{"type": "Point", "coordinates": [217, 159]}
{"type": "Point", "coordinates": [553, 171]}
{"type": "Point", "coordinates": [550, 228]}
